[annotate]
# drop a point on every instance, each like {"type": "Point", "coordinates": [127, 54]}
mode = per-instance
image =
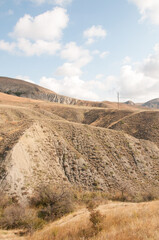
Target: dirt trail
{"type": "Point", "coordinates": [114, 123]}
{"type": "Point", "coordinates": [105, 208]}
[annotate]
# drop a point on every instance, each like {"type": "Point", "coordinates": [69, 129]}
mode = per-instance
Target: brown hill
{"type": "Point", "coordinates": [142, 125]}
{"type": "Point", "coordinates": [25, 89]}
{"type": "Point", "coordinates": [48, 142]}
{"type": "Point", "coordinates": [152, 104]}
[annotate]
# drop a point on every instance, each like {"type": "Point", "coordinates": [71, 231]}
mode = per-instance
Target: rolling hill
{"type": "Point", "coordinates": [152, 103]}
{"type": "Point", "coordinates": [25, 89]}
{"type": "Point", "coordinates": [92, 148]}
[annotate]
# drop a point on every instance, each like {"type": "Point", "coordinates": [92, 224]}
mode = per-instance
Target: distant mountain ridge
{"type": "Point", "coordinates": [25, 89]}
{"type": "Point", "coordinates": [131, 103]}
{"type": "Point", "coordinates": [154, 103]}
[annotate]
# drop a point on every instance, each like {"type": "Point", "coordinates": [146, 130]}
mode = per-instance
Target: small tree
{"type": "Point", "coordinates": [53, 202]}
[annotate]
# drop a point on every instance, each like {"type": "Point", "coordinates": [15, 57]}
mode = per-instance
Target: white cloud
{"type": "Point", "coordinates": [25, 78]}
{"type": "Point", "coordinates": [62, 2]}
{"type": "Point", "coordinates": [99, 76]}
{"type": "Point", "coordinates": [94, 33]}
{"type": "Point", "coordinates": [101, 54]}
{"type": "Point", "coordinates": [127, 60]}
{"type": "Point", "coordinates": [38, 35]}
{"type": "Point", "coordinates": [74, 87]}
{"type": "Point", "coordinates": [69, 69]}
{"type": "Point", "coordinates": [6, 46]}
{"type": "Point", "coordinates": [141, 81]}
{"type": "Point", "coordinates": [50, 83]}
{"type": "Point", "coordinates": [150, 65]}
{"type": "Point", "coordinates": [90, 41]}
{"type": "Point", "coordinates": [104, 54]}
{"type": "Point", "coordinates": [37, 48]}
{"type": "Point", "coordinates": [47, 26]}
{"type": "Point", "coordinates": [72, 84]}
{"type": "Point", "coordinates": [96, 52]}
{"type": "Point", "coordinates": [77, 54]}
{"type": "Point", "coordinates": [77, 58]}
{"type": "Point", "coordinates": [148, 9]}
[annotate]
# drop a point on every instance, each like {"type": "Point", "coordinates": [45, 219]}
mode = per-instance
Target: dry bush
{"type": "Point", "coordinates": [4, 200]}
{"type": "Point", "coordinates": [53, 202]}
{"type": "Point", "coordinates": [149, 197]}
{"type": "Point", "coordinates": [15, 216]}
{"type": "Point", "coordinates": [85, 197]}
{"type": "Point", "coordinates": [91, 205]}
{"type": "Point", "coordinates": [12, 217]}
{"type": "Point", "coordinates": [96, 219]}
{"type": "Point", "coordinates": [31, 221]}
{"type": "Point", "coordinates": [121, 196]}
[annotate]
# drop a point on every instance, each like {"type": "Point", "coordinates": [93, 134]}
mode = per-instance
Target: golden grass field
{"type": "Point", "coordinates": [121, 221]}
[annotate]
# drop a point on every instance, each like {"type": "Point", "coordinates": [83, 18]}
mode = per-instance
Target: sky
{"type": "Point", "coordinates": [87, 49]}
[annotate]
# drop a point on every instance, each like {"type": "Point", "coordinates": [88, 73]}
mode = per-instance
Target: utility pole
{"type": "Point", "coordinates": [118, 97]}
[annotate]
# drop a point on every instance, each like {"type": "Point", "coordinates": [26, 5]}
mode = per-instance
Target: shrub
{"type": "Point", "coordinates": [91, 205]}
{"type": "Point", "coordinates": [4, 200]}
{"type": "Point", "coordinates": [31, 221]}
{"type": "Point", "coordinates": [148, 197]}
{"type": "Point", "coordinates": [121, 197]}
{"type": "Point", "coordinates": [53, 202]}
{"type": "Point", "coordinates": [96, 219]}
{"type": "Point", "coordinates": [12, 217]}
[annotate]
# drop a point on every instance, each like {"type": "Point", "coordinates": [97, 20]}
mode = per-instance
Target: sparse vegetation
{"type": "Point", "coordinates": [52, 202]}
{"type": "Point", "coordinates": [47, 204]}
{"type": "Point", "coordinates": [118, 222]}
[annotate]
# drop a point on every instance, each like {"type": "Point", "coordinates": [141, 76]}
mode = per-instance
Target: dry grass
{"type": "Point", "coordinates": [122, 221]}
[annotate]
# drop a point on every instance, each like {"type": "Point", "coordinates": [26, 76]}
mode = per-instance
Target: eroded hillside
{"type": "Point", "coordinates": [46, 142]}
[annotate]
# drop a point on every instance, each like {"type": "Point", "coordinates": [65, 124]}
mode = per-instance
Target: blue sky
{"type": "Point", "coordinates": [88, 49]}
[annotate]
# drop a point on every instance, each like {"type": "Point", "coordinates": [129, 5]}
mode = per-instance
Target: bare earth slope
{"type": "Point", "coordinates": [47, 142]}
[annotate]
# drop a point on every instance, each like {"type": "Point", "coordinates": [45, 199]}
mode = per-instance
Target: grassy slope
{"type": "Point", "coordinates": [122, 221]}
